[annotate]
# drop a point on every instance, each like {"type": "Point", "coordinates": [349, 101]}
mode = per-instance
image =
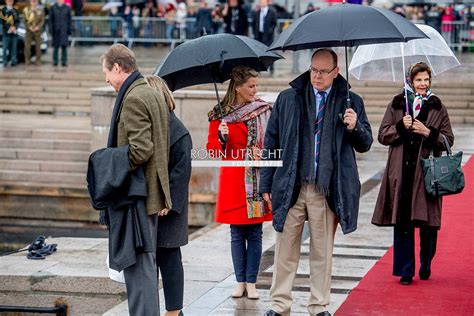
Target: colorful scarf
{"type": "Point", "coordinates": [415, 99]}
{"type": "Point", "coordinates": [255, 115]}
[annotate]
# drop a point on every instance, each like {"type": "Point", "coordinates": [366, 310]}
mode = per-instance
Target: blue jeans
{"type": "Point", "coordinates": [10, 42]}
{"type": "Point", "coordinates": [246, 246]}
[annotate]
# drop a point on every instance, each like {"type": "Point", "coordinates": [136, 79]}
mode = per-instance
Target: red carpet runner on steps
{"type": "Point", "coordinates": [449, 291]}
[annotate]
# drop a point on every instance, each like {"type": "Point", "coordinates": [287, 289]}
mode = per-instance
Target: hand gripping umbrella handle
{"type": "Point", "coordinates": [223, 139]}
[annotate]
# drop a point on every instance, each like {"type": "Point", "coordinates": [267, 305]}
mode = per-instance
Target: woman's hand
{"type": "Point", "coordinates": [163, 212]}
{"type": "Point", "coordinates": [408, 121]}
{"type": "Point", "coordinates": [224, 129]}
{"type": "Point", "coordinates": [256, 153]}
{"type": "Point", "coordinates": [267, 197]}
{"type": "Point", "coordinates": [420, 128]}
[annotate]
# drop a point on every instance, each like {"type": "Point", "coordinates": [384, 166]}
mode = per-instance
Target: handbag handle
{"type": "Point", "coordinates": [446, 145]}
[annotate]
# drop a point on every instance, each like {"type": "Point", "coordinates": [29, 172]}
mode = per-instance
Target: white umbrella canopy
{"type": "Point", "coordinates": [386, 62]}
{"type": "Point", "coordinates": [111, 4]}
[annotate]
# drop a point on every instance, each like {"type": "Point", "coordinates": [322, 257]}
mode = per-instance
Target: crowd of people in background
{"type": "Point", "coordinates": [180, 20]}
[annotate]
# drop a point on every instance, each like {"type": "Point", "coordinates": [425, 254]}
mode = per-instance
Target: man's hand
{"type": "Point", "coordinates": [163, 212]}
{"type": "Point", "coordinates": [420, 128]}
{"type": "Point", "coordinates": [267, 197]}
{"type": "Point", "coordinates": [350, 119]}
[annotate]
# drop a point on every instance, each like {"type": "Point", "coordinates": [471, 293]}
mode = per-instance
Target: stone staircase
{"type": "Point", "coordinates": [45, 134]}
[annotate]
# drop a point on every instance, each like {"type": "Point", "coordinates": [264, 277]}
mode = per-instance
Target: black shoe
{"type": "Point", "coordinates": [325, 313]}
{"type": "Point", "coordinates": [406, 280]}
{"type": "Point", "coordinates": [424, 274]}
{"type": "Point", "coordinates": [55, 64]}
{"type": "Point", "coordinates": [271, 313]}
{"type": "Point", "coordinates": [64, 65]}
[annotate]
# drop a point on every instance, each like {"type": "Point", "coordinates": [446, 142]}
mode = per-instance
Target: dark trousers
{"type": "Point", "coordinates": [141, 280]}
{"type": "Point", "coordinates": [404, 249]}
{"type": "Point", "coordinates": [10, 43]}
{"type": "Point", "coordinates": [63, 55]}
{"type": "Point", "coordinates": [168, 260]}
{"type": "Point", "coordinates": [246, 247]}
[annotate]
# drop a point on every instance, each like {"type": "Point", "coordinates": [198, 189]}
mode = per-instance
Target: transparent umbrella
{"type": "Point", "coordinates": [386, 62]}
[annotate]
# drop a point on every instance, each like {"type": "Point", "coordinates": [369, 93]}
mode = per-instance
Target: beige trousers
{"type": "Point", "coordinates": [311, 206]}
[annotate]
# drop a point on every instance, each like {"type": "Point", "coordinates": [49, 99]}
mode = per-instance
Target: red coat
{"type": "Point", "coordinates": [231, 207]}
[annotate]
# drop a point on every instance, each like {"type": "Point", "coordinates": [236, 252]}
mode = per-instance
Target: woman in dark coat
{"type": "Point", "coordinates": [239, 204]}
{"type": "Point", "coordinates": [173, 224]}
{"type": "Point", "coordinates": [402, 201]}
{"type": "Point", "coordinates": [235, 18]}
{"type": "Point", "coordinates": [60, 28]}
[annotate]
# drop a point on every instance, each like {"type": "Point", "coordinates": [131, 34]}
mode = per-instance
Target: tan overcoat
{"type": "Point", "coordinates": [144, 126]}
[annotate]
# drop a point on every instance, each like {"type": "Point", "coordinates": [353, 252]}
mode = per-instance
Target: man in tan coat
{"type": "Point", "coordinates": [34, 21]}
{"type": "Point", "coordinates": [140, 119]}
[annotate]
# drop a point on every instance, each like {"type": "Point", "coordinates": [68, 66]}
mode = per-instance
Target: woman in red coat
{"type": "Point", "coordinates": [244, 120]}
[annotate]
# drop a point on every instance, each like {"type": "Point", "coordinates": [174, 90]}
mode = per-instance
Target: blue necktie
{"type": "Point", "coordinates": [318, 128]}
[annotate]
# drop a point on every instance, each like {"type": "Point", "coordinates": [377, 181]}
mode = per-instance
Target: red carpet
{"type": "Point", "coordinates": [449, 291]}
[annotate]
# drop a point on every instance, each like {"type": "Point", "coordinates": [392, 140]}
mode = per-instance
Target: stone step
{"type": "Point", "coordinates": [11, 142]}
{"type": "Point", "coordinates": [53, 75]}
{"type": "Point", "coordinates": [43, 101]}
{"type": "Point", "coordinates": [45, 133]}
{"type": "Point", "coordinates": [25, 82]}
{"type": "Point", "coordinates": [43, 166]}
{"type": "Point", "coordinates": [46, 109]}
{"type": "Point", "coordinates": [44, 154]}
{"type": "Point", "coordinates": [48, 88]}
{"type": "Point", "coordinates": [57, 178]}
{"type": "Point", "coordinates": [36, 95]}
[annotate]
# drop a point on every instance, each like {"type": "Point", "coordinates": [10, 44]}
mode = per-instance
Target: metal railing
{"type": "Point", "coordinates": [130, 31]}
{"type": "Point", "coordinates": [458, 34]}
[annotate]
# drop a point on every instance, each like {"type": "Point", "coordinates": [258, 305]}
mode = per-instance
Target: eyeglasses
{"type": "Point", "coordinates": [322, 72]}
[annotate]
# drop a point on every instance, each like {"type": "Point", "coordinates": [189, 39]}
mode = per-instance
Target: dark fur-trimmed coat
{"type": "Point", "coordinates": [424, 209]}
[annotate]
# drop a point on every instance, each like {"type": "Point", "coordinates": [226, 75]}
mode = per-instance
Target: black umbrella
{"type": "Point", "coordinates": [211, 58]}
{"type": "Point", "coordinates": [346, 25]}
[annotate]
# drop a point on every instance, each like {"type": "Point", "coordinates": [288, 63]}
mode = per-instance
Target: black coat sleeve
{"type": "Point", "coordinates": [361, 136]}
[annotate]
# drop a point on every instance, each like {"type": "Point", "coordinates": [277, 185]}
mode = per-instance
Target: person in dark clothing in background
{"type": "Point", "coordinates": [263, 23]}
{"type": "Point", "coordinates": [203, 19]}
{"type": "Point", "coordinates": [9, 20]}
{"type": "Point", "coordinates": [60, 28]}
{"type": "Point", "coordinates": [235, 18]}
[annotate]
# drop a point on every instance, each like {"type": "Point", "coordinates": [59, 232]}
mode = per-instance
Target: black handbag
{"type": "Point", "coordinates": [443, 175]}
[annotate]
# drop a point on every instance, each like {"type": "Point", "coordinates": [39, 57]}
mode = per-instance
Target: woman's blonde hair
{"type": "Point", "coordinates": [160, 85]}
{"type": "Point", "coordinates": [238, 77]}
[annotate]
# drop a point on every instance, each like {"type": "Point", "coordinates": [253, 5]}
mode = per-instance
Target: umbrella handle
{"type": "Point", "coordinates": [223, 139]}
